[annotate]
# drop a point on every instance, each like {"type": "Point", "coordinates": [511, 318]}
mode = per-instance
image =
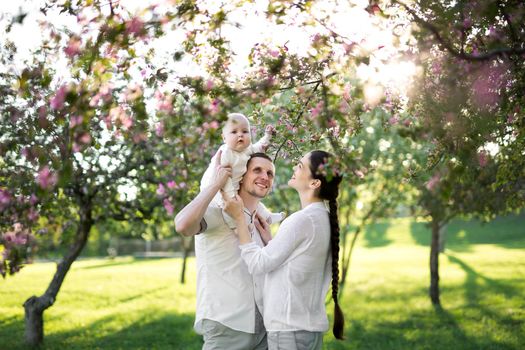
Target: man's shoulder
{"type": "Point", "coordinates": [213, 219]}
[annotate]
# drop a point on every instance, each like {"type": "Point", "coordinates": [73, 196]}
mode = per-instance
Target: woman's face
{"type": "Point", "coordinates": [302, 176]}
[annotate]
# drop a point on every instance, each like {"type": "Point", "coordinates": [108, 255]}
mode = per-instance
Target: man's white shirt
{"type": "Point", "coordinates": [226, 291]}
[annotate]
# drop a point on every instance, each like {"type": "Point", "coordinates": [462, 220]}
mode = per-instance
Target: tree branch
{"type": "Point", "coordinates": [504, 51]}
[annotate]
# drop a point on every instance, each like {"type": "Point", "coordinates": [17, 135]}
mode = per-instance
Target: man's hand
{"type": "Point", "coordinates": [264, 229]}
{"type": "Point", "coordinates": [222, 173]}
{"type": "Point", "coordinates": [233, 206]}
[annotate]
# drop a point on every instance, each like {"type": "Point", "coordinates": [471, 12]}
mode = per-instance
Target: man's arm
{"type": "Point", "coordinates": [188, 220]}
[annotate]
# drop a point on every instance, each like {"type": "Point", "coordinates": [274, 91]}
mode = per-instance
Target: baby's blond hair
{"type": "Point", "coordinates": [235, 118]}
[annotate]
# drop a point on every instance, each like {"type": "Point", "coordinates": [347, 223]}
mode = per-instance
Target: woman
{"type": "Point", "coordinates": [300, 260]}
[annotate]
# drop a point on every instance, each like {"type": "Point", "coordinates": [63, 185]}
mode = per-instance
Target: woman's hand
{"type": "Point", "coordinates": [264, 229]}
{"type": "Point", "coordinates": [233, 206]}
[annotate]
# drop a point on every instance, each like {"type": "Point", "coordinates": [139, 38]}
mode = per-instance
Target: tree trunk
{"type": "Point", "coordinates": [442, 237]}
{"type": "Point", "coordinates": [186, 246]}
{"type": "Point", "coordinates": [34, 307]}
{"type": "Point", "coordinates": [434, 263]}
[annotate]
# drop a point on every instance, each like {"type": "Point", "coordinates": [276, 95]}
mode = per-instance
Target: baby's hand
{"type": "Point", "coordinates": [270, 130]}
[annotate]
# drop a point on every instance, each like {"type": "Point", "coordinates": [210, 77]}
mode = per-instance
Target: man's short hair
{"type": "Point", "coordinates": [258, 155]}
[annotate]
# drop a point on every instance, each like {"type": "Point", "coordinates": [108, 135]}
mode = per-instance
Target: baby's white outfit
{"type": "Point", "coordinates": [237, 161]}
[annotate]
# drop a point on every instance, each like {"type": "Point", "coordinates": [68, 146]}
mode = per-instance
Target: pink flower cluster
{"type": "Point", "coordinates": [46, 178]}
{"type": "Point", "coordinates": [15, 245]}
{"type": "Point", "coordinates": [58, 100]}
{"type": "Point", "coordinates": [5, 198]}
{"type": "Point", "coordinates": [483, 158]}
{"type": "Point", "coordinates": [104, 94]}
{"type": "Point", "coordinates": [164, 103]}
{"type": "Point", "coordinates": [135, 27]}
{"type": "Point", "coordinates": [433, 182]}
{"type": "Point", "coordinates": [73, 47]}
{"type": "Point", "coordinates": [314, 113]}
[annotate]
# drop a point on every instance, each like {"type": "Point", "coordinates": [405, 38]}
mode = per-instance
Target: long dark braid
{"type": "Point", "coordinates": [329, 190]}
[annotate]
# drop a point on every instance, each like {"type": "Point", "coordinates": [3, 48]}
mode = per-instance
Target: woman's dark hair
{"type": "Point", "coordinates": [329, 190]}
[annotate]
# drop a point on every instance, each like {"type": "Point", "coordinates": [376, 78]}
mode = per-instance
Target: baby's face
{"type": "Point", "coordinates": [236, 134]}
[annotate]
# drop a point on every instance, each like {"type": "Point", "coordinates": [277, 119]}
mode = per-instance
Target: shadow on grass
{"type": "Point", "coordinates": [165, 331]}
{"type": "Point", "coordinates": [375, 235]}
{"type": "Point", "coordinates": [150, 293]}
{"type": "Point", "coordinates": [434, 329]}
{"type": "Point", "coordinates": [476, 285]}
{"type": "Point", "coordinates": [507, 232]}
{"type": "Point", "coordinates": [111, 263]}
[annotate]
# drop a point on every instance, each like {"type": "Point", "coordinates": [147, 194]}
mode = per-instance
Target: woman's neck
{"type": "Point", "coordinates": [308, 198]}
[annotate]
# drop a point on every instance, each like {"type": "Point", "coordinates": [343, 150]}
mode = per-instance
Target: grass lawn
{"type": "Point", "coordinates": [140, 304]}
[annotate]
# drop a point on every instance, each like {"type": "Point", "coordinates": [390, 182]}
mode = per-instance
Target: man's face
{"type": "Point", "coordinates": [259, 176]}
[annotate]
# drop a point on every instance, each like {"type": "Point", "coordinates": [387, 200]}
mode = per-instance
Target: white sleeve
{"type": "Point", "coordinates": [259, 145]}
{"type": "Point", "coordinates": [212, 218]}
{"type": "Point", "coordinates": [291, 234]}
{"type": "Point", "coordinates": [227, 156]}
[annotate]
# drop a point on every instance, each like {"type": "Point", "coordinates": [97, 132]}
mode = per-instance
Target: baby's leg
{"type": "Point", "coordinates": [271, 218]}
{"type": "Point", "coordinates": [229, 191]}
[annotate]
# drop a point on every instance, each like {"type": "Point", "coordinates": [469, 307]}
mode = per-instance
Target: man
{"type": "Point", "coordinates": [229, 299]}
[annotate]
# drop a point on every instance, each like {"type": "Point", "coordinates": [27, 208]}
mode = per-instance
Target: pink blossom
{"type": "Point", "coordinates": [432, 183]}
{"type": "Point", "coordinates": [26, 152]}
{"type": "Point", "coordinates": [483, 158]}
{"type": "Point", "coordinates": [57, 101]}
{"type": "Point", "coordinates": [84, 138]}
{"type": "Point", "coordinates": [76, 147]}
{"type": "Point", "coordinates": [73, 47]}
{"type": "Point", "coordinates": [209, 85]}
{"type": "Point", "coordinates": [344, 107]}
{"type": "Point", "coordinates": [486, 87]}
{"type": "Point", "coordinates": [348, 47]}
{"type": "Point", "coordinates": [33, 215]}
{"type": "Point", "coordinates": [159, 129]}
{"type": "Point", "coordinates": [436, 67]}
{"type": "Point", "coordinates": [161, 190]}
{"type": "Point", "coordinates": [76, 120]}
{"type": "Point", "coordinates": [172, 184]}
{"type": "Point", "coordinates": [314, 113]}
{"type": "Point", "coordinates": [393, 120]}
{"type": "Point", "coordinates": [46, 178]}
{"type": "Point", "coordinates": [214, 125]}
{"type": "Point", "coordinates": [359, 174]}
{"type": "Point", "coordinates": [33, 199]}
{"type": "Point", "coordinates": [139, 137]}
{"type": "Point", "coordinates": [133, 92]}
{"type": "Point", "coordinates": [165, 105]}
{"type": "Point", "coordinates": [214, 107]}
{"type": "Point", "coordinates": [182, 185]}
{"type": "Point", "coordinates": [332, 123]}
{"type": "Point", "coordinates": [168, 206]}
{"type": "Point", "coordinates": [5, 198]}
{"type": "Point", "coordinates": [274, 53]}
{"type": "Point", "coordinates": [347, 92]}
{"type": "Point", "coordinates": [135, 26]}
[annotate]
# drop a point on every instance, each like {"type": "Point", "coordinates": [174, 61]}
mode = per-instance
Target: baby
{"type": "Point", "coordinates": [236, 152]}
